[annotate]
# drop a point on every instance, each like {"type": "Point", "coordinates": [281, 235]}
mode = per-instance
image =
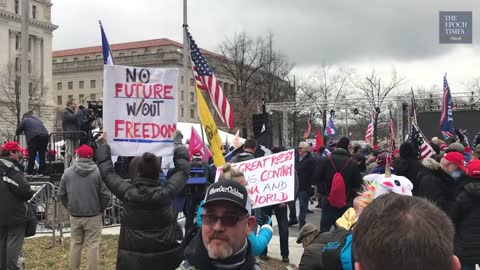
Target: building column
{"type": "Point", "coordinates": [37, 59]}
{"type": "Point", "coordinates": [12, 49]}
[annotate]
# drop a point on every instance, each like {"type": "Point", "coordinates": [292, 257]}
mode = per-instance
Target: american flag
{"type": "Point", "coordinates": [424, 149]}
{"type": "Point", "coordinates": [206, 81]}
{"type": "Point", "coordinates": [369, 135]}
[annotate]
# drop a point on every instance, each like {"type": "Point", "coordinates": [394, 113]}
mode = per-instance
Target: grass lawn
{"type": "Point", "coordinates": [41, 256]}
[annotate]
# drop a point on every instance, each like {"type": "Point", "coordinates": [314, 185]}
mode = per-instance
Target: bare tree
{"type": "Point", "coordinates": [274, 74]}
{"type": "Point", "coordinates": [243, 60]}
{"type": "Point", "coordinates": [323, 90]}
{"type": "Point", "coordinates": [375, 89]}
{"type": "Point", "coordinates": [10, 95]}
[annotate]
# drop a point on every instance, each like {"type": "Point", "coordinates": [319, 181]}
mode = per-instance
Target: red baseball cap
{"type": "Point", "coordinates": [84, 151]}
{"type": "Point", "coordinates": [12, 146]}
{"type": "Point", "coordinates": [457, 159]}
{"type": "Point", "coordinates": [474, 168]}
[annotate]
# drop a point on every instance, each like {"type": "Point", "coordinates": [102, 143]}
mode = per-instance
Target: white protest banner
{"type": "Point", "coordinates": [271, 179]}
{"type": "Point", "coordinates": [140, 109]}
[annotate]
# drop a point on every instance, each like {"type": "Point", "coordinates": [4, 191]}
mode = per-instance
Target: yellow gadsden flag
{"type": "Point", "coordinates": [211, 130]}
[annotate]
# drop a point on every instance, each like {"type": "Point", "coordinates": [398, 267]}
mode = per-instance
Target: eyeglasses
{"type": "Point", "coordinates": [227, 220]}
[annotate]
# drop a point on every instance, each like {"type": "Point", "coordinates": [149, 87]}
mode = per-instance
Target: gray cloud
{"type": "Point", "coordinates": [309, 32]}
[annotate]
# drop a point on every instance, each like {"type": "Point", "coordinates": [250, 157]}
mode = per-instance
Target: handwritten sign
{"type": "Point", "coordinates": [271, 179]}
{"type": "Point", "coordinates": [140, 109]}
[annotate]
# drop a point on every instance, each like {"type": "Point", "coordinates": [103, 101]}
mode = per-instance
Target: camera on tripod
{"type": "Point", "coordinates": [95, 108]}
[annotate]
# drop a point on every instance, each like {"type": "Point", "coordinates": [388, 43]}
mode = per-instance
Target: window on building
{"type": "Point", "coordinates": [86, 58]}
{"type": "Point", "coordinates": [59, 100]}
{"type": "Point", "coordinates": [192, 82]}
{"type": "Point", "coordinates": [159, 50]}
{"type": "Point", "coordinates": [98, 56]}
{"type": "Point", "coordinates": [29, 44]}
{"type": "Point", "coordinates": [75, 59]}
{"type": "Point", "coordinates": [192, 97]}
{"type": "Point", "coordinates": [134, 52]}
{"type": "Point", "coordinates": [70, 85]}
{"type": "Point", "coordinates": [182, 112]}
{"type": "Point", "coordinates": [30, 88]}
{"type": "Point", "coordinates": [59, 86]}
{"type": "Point", "coordinates": [81, 98]}
{"type": "Point", "coordinates": [17, 6]}
{"type": "Point", "coordinates": [121, 54]}
{"type": "Point", "coordinates": [81, 84]}
{"type": "Point", "coordinates": [181, 80]}
{"type": "Point", "coordinates": [64, 60]}
{"type": "Point", "coordinates": [29, 66]}
{"type": "Point", "coordinates": [17, 42]}
{"type": "Point", "coordinates": [182, 95]}
{"type": "Point", "coordinates": [17, 64]}
{"type": "Point", "coordinates": [34, 11]}
{"type": "Point", "coordinates": [147, 51]}
{"type": "Point", "coordinates": [93, 84]}
{"type": "Point", "coordinates": [54, 61]}
{"type": "Point", "coordinates": [93, 97]}
{"type": "Point", "coordinates": [192, 113]}
{"type": "Point", "coordinates": [70, 97]}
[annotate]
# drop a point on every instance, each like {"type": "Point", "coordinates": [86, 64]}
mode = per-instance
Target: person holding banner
{"type": "Point", "coordinates": [149, 228]}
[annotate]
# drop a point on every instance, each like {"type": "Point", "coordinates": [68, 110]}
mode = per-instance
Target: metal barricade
{"type": "Point", "coordinates": [56, 152]}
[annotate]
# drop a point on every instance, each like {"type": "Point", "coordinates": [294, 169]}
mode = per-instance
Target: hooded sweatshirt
{"type": "Point", "coordinates": [82, 191]}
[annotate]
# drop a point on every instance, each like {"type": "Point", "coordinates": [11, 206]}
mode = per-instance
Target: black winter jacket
{"type": "Point", "coordinates": [466, 217]}
{"type": "Point", "coordinates": [408, 168]}
{"type": "Point", "coordinates": [305, 169]}
{"type": "Point", "coordinates": [14, 194]}
{"type": "Point", "coordinates": [351, 174]}
{"type": "Point", "coordinates": [71, 122]}
{"type": "Point", "coordinates": [436, 186]}
{"type": "Point", "coordinates": [149, 223]}
{"type": "Point", "coordinates": [32, 127]}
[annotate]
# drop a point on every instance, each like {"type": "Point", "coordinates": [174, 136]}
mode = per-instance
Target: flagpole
{"type": "Point", "coordinates": [186, 68]}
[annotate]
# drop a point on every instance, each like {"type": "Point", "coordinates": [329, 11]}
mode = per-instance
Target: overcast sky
{"type": "Point", "coordinates": [380, 34]}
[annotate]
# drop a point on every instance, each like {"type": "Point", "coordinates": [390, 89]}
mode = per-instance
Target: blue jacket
{"type": "Point", "coordinates": [258, 242]}
{"type": "Point", "coordinates": [32, 127]}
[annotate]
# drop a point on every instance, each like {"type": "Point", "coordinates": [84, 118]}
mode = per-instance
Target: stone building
{"type": "Point", "coordinates": [39, 62]}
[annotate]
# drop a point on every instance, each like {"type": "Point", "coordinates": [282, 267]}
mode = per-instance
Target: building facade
{"type": "Point", "coordinates": [39, 62]}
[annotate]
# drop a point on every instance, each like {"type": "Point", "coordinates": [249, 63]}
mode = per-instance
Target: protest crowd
{"type": "Point", "coordinates": [382, 207]}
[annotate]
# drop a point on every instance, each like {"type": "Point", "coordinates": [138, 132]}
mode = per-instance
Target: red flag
{"type": "Point", "coordinates": [196, 145]}
{"type": "Point", "coordinates": [319, 140]}
{"type": "Point", "coordinates": [308, 130]}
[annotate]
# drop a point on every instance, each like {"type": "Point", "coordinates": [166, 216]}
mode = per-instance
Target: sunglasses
{"type": "Point", "coordinates": [227, 220]}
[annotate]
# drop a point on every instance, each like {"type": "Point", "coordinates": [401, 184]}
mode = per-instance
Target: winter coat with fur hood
{"type": "Point", "coordinates": [436, 185]}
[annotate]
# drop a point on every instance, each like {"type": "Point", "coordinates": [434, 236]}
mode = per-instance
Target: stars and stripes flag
{"type": "Point", "coordinates": [206, 81]}
{"type": "Point", "coordinates": [369, 134]}
{"type": "Point", "coordinates": [424, 149]}
{"type": "Point", "coordinates": [446, 120]}
{"type": "Point", "coordinates": [107, 53]}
